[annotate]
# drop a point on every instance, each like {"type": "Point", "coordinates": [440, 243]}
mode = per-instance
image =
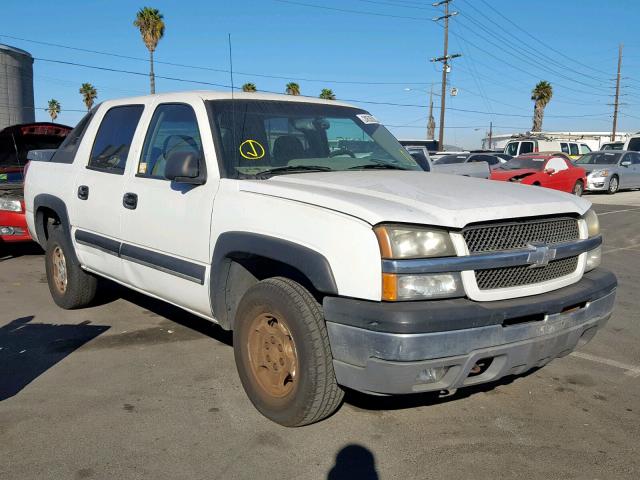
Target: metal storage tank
{"type": "Point", "coordinates": [16, 86]}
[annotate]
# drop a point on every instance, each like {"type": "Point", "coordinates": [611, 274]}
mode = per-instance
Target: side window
{"type": "Point", "coordinates": [173, 128]}
{"type": "Point", "coordinates": [526, 147]}
{"type": "Point", "coordinates": [634, 144]}
{"type": "Point", "coordinates": [584, 148]}
{"type": "Point", "coordinates": [564, 148]}
{"type": "Point", "coordinates": [512, 149]}
{"type": "Point", "coordinates": [634, 157]}
{"type": "Point", "coordinates": [66, 152]}
{"type": "Point", "coordinates": [113, 140]}
{"type": "Point", "coordinates": [574, 149]}
{"type": "Point", "coordinates": [557, 164]}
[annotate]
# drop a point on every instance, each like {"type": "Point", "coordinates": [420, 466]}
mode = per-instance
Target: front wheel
{"type": "Point", "coordinates": [614, 185]}
{"type": "Point", "coordinates": [578, 188]}
{"type": "Point", "coordinates": [282, 353]}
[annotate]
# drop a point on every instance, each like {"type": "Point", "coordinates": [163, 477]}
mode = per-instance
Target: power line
{"type": "Point", "coordinates": [345, 10]}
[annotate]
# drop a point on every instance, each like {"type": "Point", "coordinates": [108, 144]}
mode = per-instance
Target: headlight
{"type": "Point", "coordinates": [600, 173]}
{"type": "Point", "coordinates": [10, 205]}
{"type": "Point", "coordinates": [593, 224]}
{"type": "Point", "coordinates": [399, 241]}
{"type": "Point", "coordinates": [421, 287]}
{"type": "Point", "coordinates": [594, 257]}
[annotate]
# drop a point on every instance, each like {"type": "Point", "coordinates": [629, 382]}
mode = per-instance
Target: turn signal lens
{"type": "Point", "coordinates": [421, 287]}
{"type": "Point", "coordinates": [594, 257]}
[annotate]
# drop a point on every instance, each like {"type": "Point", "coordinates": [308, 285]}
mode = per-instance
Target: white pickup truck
{"type": "Point", "coordinates": [305, 227]}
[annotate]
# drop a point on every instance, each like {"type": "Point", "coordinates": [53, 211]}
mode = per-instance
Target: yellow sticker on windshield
{"type": "Point", "coordinates": [251, 150]}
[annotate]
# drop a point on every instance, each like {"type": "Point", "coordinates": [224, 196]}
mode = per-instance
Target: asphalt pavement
{"type": "Point", "coordinates": [134, 388]}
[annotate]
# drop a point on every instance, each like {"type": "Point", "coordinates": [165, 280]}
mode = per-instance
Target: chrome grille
{"type": "Point", "coordinates": [524, 274]}
{"type": "Point", "coordinates": [519, 233]}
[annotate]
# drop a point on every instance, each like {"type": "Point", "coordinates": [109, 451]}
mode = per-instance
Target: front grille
{"type": "Point", "coordinates": [520, 233]}
{"type": "Point", "coordinates": [524, 274]}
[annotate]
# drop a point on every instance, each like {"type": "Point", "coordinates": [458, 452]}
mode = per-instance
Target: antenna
{"type": "Point", "coordinates": [234, 158]}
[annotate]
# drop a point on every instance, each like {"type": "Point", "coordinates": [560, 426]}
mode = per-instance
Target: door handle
{"type": "Point", "coordinates": [83, 192]}
{"type": "Point", "coordinates": [130, 201]}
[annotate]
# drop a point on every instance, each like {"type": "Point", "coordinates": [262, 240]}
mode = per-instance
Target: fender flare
{"type": "Point", "coordinates": [60, 208]}
{"type": "Point", "coordinates": [312, 264]}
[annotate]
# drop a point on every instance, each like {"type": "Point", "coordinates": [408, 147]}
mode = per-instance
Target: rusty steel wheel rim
{"type": "Point", "coordinates": [59, 270]}
{"type": "Point", "coordinates": [272, 355]}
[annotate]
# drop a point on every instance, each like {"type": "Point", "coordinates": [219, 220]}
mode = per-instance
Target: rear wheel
{"type": "Point", "coordinates": [578, 188]}
{"type": "Point", "coordinates": [614, 185]}
{"type": "Point", "coordinates": [282, 353]}
{"type": "Point", "coordinates": [70, 286]}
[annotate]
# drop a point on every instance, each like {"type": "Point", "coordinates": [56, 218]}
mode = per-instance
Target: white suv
{"type": "Point", "coordinates": [305, 227]}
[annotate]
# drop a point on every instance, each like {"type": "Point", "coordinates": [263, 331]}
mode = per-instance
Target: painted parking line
{"type": "Point", "coordinates": [620, 211]}
{"type": "Point", "coordinates": [630, 370]}
{"type": "Point", "coordinates": [630, 247]}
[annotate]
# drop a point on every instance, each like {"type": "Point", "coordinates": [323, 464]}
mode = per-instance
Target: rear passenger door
{"type": "Point", "coordinates": [97, 198]}
{"type": "Point", "coordinates": [166, 229]}
{"type": "Point", "coordinates": [634, 170]}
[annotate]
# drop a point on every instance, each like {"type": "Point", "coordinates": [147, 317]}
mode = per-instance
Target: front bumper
{"type": "Point", "coordinates": [444, 345]}
{"type": "Point", "coordinates": [597, 184]}
{"type": "Point", "coordinates": [13, 227]}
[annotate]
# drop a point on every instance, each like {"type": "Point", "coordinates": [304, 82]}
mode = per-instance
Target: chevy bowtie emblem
{"type": "Point", "coordinates": [540, 255]}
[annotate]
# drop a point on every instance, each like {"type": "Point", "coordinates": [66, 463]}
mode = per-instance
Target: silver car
{"type": "Point", "coordinates": [611, 170]}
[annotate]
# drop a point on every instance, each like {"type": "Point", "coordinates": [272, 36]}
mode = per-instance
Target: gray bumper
{"type": "Point", "coordinates": [397, 363]}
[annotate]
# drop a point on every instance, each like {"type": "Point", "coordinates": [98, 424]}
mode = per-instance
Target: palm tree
{"type": "Point", "coordinates": [293, 88]}
{"type": "Point", "coordinates": [151, 25]}
{"type": "Point", "coordinates": [249, 87]}
{"type": "Point", "coordinates": [541, 95]}
{"type": "Point", "coordinates": [89, 94]}
{"type": "Point", "coordinates": [327, 94]}
{"type": "Point", "coordinates": [53, 108]}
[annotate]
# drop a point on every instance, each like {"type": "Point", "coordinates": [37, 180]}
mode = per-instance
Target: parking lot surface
{"type": "Point", "coordinates": [134, 388]}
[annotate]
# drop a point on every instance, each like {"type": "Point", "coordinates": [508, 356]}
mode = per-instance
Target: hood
{"type": "Point", "coordinates": [593, 168]}
{"type": "Point", "coordinates": [500, 174]}
{"type": "Point", "coordinates": [416, 197]}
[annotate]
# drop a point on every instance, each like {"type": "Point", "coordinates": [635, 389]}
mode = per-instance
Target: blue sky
{"type": "Point", "coordinates": [384, 44]}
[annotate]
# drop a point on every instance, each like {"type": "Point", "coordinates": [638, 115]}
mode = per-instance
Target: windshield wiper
{"type": "Point", "coordinates": [292, 169]}
{"type": "Point", "coordinates": [377, 166]}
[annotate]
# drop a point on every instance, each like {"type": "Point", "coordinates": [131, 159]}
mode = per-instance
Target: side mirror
{"type": "Point", "coordinates": [626, 163]}
{"type": "Point", "coordinates": [549, 171]}
{"type": "Point", "coordinates": [185, 167]}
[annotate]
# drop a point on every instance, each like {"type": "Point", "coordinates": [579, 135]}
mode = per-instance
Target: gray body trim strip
{"type": "Point", "coordinates": [485, 261]}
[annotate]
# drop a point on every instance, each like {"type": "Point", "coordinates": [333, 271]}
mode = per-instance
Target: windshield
{"type": "Point", "coordinates": [448, 159]}
{"type": "Point", "coordinates": [259, 137]}
{"type": "Point", "coordinates": [613, 146]}
{"type": "Point", "coordinates": [607, 158]}
{"type": "Point", "coordinates": [528, 163]}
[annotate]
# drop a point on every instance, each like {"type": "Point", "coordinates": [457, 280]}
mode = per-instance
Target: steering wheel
{"type": "Point", "coordinates": [342, 151]}
{"type": "Point", "coordinates": [182, 139]}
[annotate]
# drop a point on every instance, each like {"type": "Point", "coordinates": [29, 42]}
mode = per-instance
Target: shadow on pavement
{"type": "Point", "coordinates": [354, 462]}
{"type": "Point", "coordinates": [19, 249]}
{"type": "Point", "coordinates": [27, 349]}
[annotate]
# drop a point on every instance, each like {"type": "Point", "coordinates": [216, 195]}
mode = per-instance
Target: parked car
{"type": "Point", "coordinates": [463, 158]}
{"type": "Point", "coordinates": [474, 169]}
{"type": "Point", "coordinates": [333, 268]}
{"type": "Point", "coordinates": [612, 146]}
{"type": "Point", "coordinates": [550, 171]}
{"type": "Point", "coordinates": [15, 142]}
{"type": "Point", "coordinates": [540, 144]}
{"type": "Point", "coordinates": [633, 143]}
{"type": "Point", "coordinates": [611, 170]}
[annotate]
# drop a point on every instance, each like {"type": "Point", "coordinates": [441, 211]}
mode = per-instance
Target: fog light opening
{"type": "Point", "coordinates": [480, 367]}
{"type": "Point", "coordinates": [431, 375]}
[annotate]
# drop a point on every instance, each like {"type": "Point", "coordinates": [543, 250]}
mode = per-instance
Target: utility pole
{"type": "Point", "coordinates": [490, 135]}
{"type": "Point", "coordinates": [445, 63]}
{"type": "Point", "coordinates": [615, 103]}
{"type": "Point", "coordinates": [431, 123]}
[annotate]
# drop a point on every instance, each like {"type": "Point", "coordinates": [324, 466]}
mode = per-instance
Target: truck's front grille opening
{"type": "Point", "coordinates": [520, 233]}
{"type": "Point", "coordinates": [524, 274]}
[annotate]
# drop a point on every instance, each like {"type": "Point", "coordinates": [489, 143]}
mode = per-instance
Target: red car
{"type": "Point", "coordinates": [545, 170]}
{"type": "Point", "coordinates": [15, 142]}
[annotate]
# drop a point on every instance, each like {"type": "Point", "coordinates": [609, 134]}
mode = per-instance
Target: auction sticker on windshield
{"type": "Point", "coordinates": [252, 150]}
{"type": "Point", "coordinates": [367, 119]}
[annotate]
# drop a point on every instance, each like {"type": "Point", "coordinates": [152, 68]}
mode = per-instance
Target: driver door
{"type": "Point", "coordinates": [166, 225]}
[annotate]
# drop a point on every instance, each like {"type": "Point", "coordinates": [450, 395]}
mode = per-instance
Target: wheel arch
{"type": "Point", "coordinates": [48, 207]}
{"type": "Point", "coordinates": [241, 259]}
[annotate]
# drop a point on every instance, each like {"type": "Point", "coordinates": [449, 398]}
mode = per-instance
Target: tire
{"type": "Point", "coordinates": [282, 353]}
{"type": "Point", "coordinates": [70, 286]}
{"type": "Point", "coordinates": [613, 186]}
{"type": "Point", "coordinates": [578, 188]}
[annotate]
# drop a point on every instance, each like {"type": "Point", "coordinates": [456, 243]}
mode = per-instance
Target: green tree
{"type": "Point", "coordinates": [327, 94]}
{"type": "Point", "coordinates": [249, 87]}
{"type": "Point", "coordinates": [53, 108]}
{"type": "Point", "coordinates": [151, 25]}
{"type": "Point", "coordinates": [293, 88]}
{"type": "Point", "coordinates": [541, 95]}
{"type": "Point", "coordinates": [89, 94]}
